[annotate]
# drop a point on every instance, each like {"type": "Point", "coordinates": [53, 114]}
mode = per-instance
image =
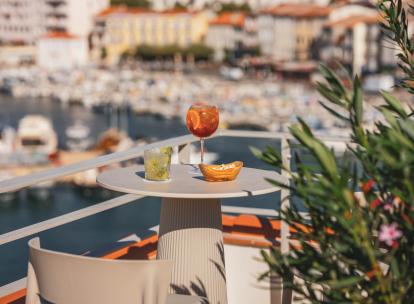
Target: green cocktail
{"type": "Point", "coordinates": [157, 163]}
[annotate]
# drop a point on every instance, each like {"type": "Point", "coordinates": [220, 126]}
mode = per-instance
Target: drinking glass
{"type": "Point", "coordinates": [202, 121]}
{"type": "Point", "coordinates": [157, 163]}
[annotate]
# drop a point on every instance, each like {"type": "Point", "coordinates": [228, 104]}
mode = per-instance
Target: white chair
{"type": "Point", "coordinates": [61, 278]}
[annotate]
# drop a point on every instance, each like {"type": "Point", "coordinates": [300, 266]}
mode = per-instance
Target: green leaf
{"type": "Point", "coordinates": [333, 112]}
{"type": "Point", "coordinates": [408, 127]}
{"type": "Point", "coordinates": [339, 284]}
{"type": "Point", "coordinates": [394, 104]}
{"type": "Point", "coordinates": [333, 80]}
{"type": "Point", "coordinates": [324, 156]}
{"type": "Point", "coordinates": [256, 152]}
{"type": "Point", "coordinates": [305, 127]}
{"type": "Point", "coordinates": [328, 94]}
{"type": "Point", "coordinates": [357, 101]}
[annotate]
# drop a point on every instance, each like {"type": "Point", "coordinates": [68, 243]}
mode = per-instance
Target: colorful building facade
{"type": "Point", "coordinates": [120, 29]}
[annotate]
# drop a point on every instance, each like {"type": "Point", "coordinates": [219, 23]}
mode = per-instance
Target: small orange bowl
{"type": "Point", "coordinates": [221, 173]}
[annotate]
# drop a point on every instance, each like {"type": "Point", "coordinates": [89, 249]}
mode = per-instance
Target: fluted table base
{"type": "Point", "coordinates": [191, 235]}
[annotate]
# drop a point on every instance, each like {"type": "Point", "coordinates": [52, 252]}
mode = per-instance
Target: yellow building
{"type": "Point", "coordinates": [119, 29]}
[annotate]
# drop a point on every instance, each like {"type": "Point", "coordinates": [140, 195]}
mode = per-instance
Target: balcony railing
{"type": "Point", "coordinates": [183, 144]}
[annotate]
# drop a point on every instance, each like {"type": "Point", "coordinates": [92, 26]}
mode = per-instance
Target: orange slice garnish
{"type": "Point", "coordinates": [194, 117]}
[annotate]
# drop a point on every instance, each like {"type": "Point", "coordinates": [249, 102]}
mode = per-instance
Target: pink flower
{"type": "Point", "coordinates": [389, 233]}
{"type": "Point", "coordinates": [389, 207]}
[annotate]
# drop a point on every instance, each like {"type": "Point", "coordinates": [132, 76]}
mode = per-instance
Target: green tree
{"type": "Point", "coordinates": [199, 51]}
{"type": "Point", "coordinates": [147, 52]}
{"type": "Point", "coordinates": [356, 248]}
{"type": "Point", "coordinates": [234, 7]}
{"type": "Point", "coordinates": [104, 53]}
{"type": "Point", "coordinates": [132, 3]}
{"type": "Point", "coordinates": [180, 6]}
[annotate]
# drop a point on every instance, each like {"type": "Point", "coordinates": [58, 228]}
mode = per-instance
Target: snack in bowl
{"type": "Point", "coordinates": [221, 173]}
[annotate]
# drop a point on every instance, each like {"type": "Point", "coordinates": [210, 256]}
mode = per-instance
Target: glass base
{"type": "Point", "coordinates": [156, 181]}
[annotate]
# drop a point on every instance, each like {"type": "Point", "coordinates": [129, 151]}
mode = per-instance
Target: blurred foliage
{"type": "Point", "coordinates": [231, 56]}
{"type": "Point", "coordinates": [179, 5]}
{"type": "Point", "coordinates": [234, 7]}
{"type": "Point", "coordinates": [395, 27]}
{"type": "Point", "coordinates": [104, 53]}
{"type": "Point", "coordinates": [353, 247]}
{"type": "Point", "coordinates": [149, 53]}
{"type": "Point", "coordinates": [132, 3]}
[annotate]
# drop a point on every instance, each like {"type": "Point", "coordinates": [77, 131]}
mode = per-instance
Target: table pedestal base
{"type": "Point", "coordinates": [191, 235]}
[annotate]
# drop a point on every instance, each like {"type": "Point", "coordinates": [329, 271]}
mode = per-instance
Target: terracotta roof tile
{"type": "Point", "coordinates": [232, 19]}
{"type": "Point", "coordinates": [298, 10]}
{"type": "Point", "coordinates": [59, 35]}
{"type": "Point", "coordinates": [351, 21]}
{"type": "Point", "coordinates": [122, 9]}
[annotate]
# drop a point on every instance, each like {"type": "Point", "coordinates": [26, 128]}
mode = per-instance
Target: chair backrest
{"type": "Point", "coordinates": [61, 278]}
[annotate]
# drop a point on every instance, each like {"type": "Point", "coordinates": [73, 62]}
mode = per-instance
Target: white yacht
{"type": "Point", "coordinates": [78, 137]}
{"type": "Point", "coordinates": [7, 145]}
{"type": "Point", "coordinates": [36, 136]}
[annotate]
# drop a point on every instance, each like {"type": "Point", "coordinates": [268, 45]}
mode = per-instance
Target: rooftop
{"type": "Point", "coordinates": [231, 19]}
{"type": "Point", "coordinates": [122, 9]}
{"type": "Point", "coordinates": [298, 10]}
{"type": "Point", "coordinates": [59, 35]}
{"type": "Point", "coordinates": [351, 21]}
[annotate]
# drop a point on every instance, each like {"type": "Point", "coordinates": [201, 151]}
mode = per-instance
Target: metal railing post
{"type": "Point", "coordinates": [284, 205]}
{"type": "Point", "coordinates": [284, 196]}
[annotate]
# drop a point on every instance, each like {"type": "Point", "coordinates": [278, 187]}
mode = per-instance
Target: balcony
{"type": "Point", "coordinates": [246, 230]}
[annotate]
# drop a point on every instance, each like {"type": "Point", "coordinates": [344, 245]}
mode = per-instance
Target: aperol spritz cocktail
{"type": "Point", "coordinates": [202, 121]}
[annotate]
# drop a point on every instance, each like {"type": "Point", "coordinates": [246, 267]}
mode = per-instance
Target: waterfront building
{"type": "Point", "coordinates": [59, 50]}
{"type": "Point", "coordinates": [254, 4]}
{"type": "Point", "coordinates": [226, 32]}
{"type": "Point", "coordinates": [354, 41]}
{"type": "Point", "coordinates": [12, 55]}
{"type": "Point", "coordinates": [353, 36]}
{"type": "Point", "coordinates": [120, 29]}
{"type": "Point", "coordinates": [21, 21]}
{"type": "Point", "coordinates": [72, 16]}
{"type": "Point", "coordinates": [24, 21]}
{"type": "Point", "coordinates": [286, 32]}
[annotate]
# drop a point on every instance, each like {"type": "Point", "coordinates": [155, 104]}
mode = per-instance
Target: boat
{"type": "Point", "coordinates": [36, 137]}
{"type": "Point", "coordinates": [7, 145]}
{"type": "Point", "coordinates": [78, 137]}
{"type": "Point", "coordinates": [114, 140]}
{"type": "Point", "coordinates": [111, 140]}
{"type": "Point", "coordinates": [232, 73]}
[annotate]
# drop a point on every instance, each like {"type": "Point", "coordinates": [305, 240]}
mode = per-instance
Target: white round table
{"type": "Point", "coordinates": [190, 230]}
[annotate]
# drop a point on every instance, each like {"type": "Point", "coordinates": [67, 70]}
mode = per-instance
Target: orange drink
{"type": "Point", "coordinates": [202, 121]}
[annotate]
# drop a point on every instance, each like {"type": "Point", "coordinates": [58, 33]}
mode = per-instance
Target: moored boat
{"type": "Point", "coordinates": [36, 136]}
{"type": "Point", "coordinates": [78, 137]}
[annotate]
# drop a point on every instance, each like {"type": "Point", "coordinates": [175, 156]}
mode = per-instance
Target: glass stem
{"type": "Point", "coordinates": [202, 150]}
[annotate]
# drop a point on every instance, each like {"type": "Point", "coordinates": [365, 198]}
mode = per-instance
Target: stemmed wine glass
{"type": "Point", "coordinates": [202, 121]}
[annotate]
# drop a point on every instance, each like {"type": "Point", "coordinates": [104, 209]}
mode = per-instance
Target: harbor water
{"type": "Point", "coordinates": [98, 231]}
